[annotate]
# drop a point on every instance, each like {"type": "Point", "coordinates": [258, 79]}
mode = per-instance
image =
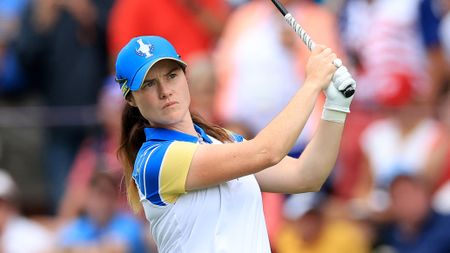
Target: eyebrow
{"type": "Point", "coordinates": [168, 73]}
{"type": "Point", "coordinates": [172, 70]}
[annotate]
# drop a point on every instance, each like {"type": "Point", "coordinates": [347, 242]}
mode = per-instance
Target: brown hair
{"type": "Point", "coordinates": [132, 137]}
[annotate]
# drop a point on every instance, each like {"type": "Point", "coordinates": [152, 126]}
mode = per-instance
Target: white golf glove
{"type": "Point", "coordinates": [336, 105]}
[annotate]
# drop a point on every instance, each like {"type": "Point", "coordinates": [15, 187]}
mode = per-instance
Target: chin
{"type": "Point", "coordinates": [169, 118]}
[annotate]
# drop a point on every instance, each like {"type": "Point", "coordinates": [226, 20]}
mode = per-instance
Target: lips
{"type": "Point", "coordinates": [168, 104]}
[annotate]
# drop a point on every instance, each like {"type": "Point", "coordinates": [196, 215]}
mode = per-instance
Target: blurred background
{"type": "Point", "coordinates": [60, 181]}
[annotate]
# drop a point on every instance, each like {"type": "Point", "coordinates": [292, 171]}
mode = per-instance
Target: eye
{"type": "Point", "coordinates": [148, 83]}
{"type": "Point", "coordinates": [172, 75]}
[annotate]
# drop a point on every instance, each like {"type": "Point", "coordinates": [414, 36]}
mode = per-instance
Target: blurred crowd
{"type": "Point", "coordinates": [61, 183]}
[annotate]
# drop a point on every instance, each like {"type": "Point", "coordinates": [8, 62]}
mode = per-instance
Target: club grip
{"type": "Point", "coordinates": [349, 91]}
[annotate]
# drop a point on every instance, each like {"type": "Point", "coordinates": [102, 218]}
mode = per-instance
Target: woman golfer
{"type": "Point", "coordinates": [200, 185]}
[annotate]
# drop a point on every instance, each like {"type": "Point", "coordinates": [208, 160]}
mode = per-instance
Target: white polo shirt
{"type": "Point", "coordinates": [225, 218]}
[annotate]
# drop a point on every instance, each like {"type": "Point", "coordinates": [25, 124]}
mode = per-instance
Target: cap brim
{"type": "Point", "coordinates": [143, 71]}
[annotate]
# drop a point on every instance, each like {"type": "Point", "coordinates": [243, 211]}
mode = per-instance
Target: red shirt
{"type": "Point", "coordinates": [169, 18]}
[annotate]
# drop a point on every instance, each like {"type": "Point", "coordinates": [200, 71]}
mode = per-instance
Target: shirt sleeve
{"type": "Point", "coordinates": [161, 171]}
{"type": "Point", "coordinates": [236, 137]}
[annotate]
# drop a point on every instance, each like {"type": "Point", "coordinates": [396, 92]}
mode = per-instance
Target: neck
{"type": "Point", "coordinates": [185, 126]}
{"type": "Point", "coordinates": [188, 128]}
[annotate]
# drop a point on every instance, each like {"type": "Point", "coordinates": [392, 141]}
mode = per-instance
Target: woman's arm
{"type": "Point", "coordinates": [214, 164]}
{"type": "Point", "coordinates": [309, 172]}
{"type": "Point", "coordinates": [311, 169]}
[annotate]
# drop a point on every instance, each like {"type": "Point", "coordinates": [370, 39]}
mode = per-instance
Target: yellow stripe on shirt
{"type": "Point", "coordinates": [174, 170]}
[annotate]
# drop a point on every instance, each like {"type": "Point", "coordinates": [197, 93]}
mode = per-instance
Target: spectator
{"type": "Point", "coordinates": [62, 47]}
{"type": "Point", "coordinates": [102, 228]}
{"type": "Point", "coordinates": [400, 143]}
{"type": "Point", "coordinates": [19, 234]}
{"type": "Point", "coordinates": [444, 30]}
{"type": "Point", "coordinates": [416, 227]}
{"type": "Point", "coordinates": [439, 162]}
{"type": "Point", "coordinates": [431, 14]}
{"type": "Point", "coordinates": [193, 26]}
{"type": "Point", "coordinates": [96, 152]}
{"type": "Point", "coordinates": [16, 99]}
{"type": "Point", "coordinates": [314, 231]}
{"type": "Point", "coordinates": [203, 80]}
{"type": "Point", "coordinates": [11, 78]}
{"type": "Point", "coordinates": [257, 43]}
{"type": "Point", "coordinates": [391, 64]}
{"type": "Point", "coordinates": [382, 53]}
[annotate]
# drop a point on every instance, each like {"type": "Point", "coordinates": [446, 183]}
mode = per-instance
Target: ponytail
{"type": "Point", "coordinates": [132, 138]}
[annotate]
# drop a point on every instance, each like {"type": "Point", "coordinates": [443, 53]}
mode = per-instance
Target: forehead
{"type": "Point", "coordinates": [161, 68]}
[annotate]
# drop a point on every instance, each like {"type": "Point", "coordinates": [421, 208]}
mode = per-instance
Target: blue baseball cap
{"type": "Point", "coordinates": [137, 57]}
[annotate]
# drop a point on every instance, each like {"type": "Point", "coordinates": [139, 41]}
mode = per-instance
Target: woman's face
{"type": "Point", "coordinates": [164, 96]}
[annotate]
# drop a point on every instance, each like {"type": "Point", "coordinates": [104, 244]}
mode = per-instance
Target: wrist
{"type": "Point", "coordinates": [309, 85]}
{"type": "Point", "coordinates": [334, 116]}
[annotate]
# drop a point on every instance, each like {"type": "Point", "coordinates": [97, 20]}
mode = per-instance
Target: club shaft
{"type": "Point", "coordinates": [280, 7]}
{"type": "Point", "coordinates": [304, 36]}
{"type": "Point", "coordinates": [295, 25]}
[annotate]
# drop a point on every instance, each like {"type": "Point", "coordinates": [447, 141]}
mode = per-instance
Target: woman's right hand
{"type": "Point", "coordinates": [320, 67]}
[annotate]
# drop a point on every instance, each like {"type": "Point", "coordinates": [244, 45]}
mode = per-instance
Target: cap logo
{"type": "Point", "coordinates": [144, 49]}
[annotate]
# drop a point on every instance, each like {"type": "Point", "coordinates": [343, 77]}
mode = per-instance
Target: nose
{"type": "Point", "coordinates": [164, 90]}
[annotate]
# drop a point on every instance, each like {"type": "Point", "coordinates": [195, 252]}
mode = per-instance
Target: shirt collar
{"type": "Point", "coordinates": [163, 134]}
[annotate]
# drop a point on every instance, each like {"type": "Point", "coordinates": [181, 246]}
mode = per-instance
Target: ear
{"type": "Point", "coordinates": [130, 100]}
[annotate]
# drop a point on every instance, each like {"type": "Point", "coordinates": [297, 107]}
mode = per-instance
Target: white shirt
{"type": "Point", "coordinates": [391, 154]}
{"type": "Point", "coordinates": [225, 218]}
{"type": "Point", "coordinates": [24, 236]}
